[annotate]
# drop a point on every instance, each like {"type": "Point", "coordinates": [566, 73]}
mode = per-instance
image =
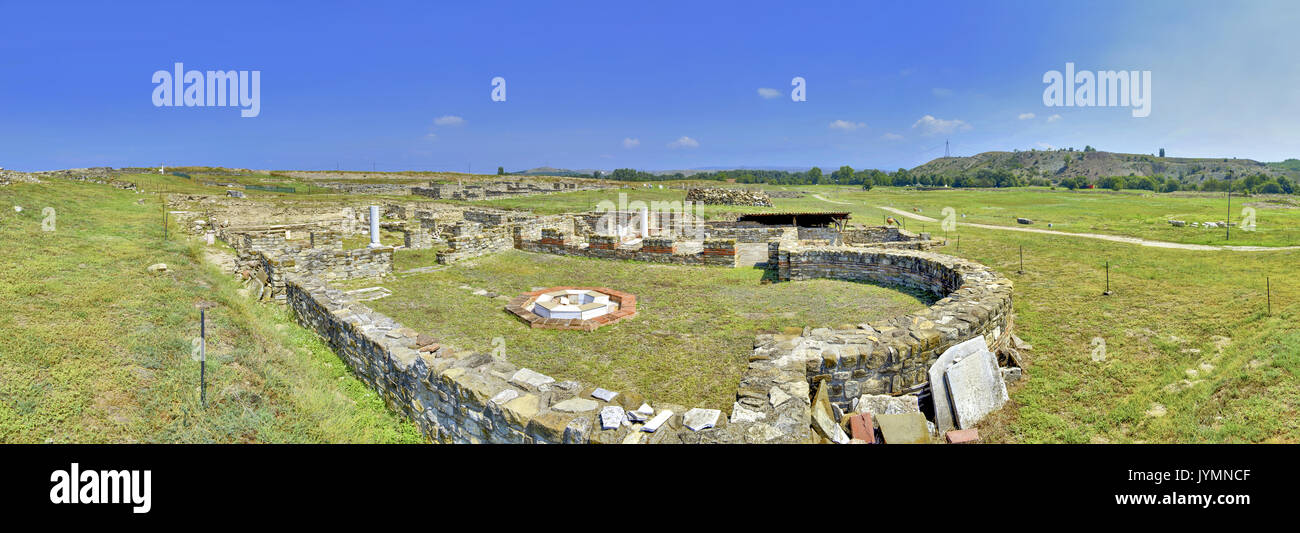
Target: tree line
{"type": "Point", "coordinates": [1258, 183]}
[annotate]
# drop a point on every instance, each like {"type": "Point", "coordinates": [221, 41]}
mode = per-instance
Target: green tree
{"type": "Point", "coordinates": [843, 175]}
{"type": "Point", "coordinates": [501, 171]}
{"type": "Point", "coordinates": [815, 175]}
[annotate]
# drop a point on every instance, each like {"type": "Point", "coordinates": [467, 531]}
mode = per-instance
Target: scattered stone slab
{"type": "Point", "coordinates": [504, 396]}
{"type": "Point", "coordinates": [611, 417]}
{"type": "Point", "coordinates": [884, 404]}
{"type": "Point", "coordinates": [697, 419]}
{"type": "Point", "coordinates": [575, 405]}
{"type": "Point", "coordinates": [776, 397]}
{"type": "Point", "coordinates": [528, 378]}
{"type": "Point", "coordinates": [976, 388]}
{"type": "Point", "coordinates": [1024, 221]}
{"type": "Point", "coordinates": [943, 413]}
{"type": "Point", "coordinates": [157, 268]}
{"type": "Point", "coordinates": [823, 418]}
{"type": "Point", "coordinates": [740, 413]}
{"type": "Point", "coordinates": [659, 420]}
{"type": "Point", "coordinates": [906, 428]}
{"type": "Point", "coordinates": [1012, 374]}
{"type": "Point", "coordinates": [604, 395]}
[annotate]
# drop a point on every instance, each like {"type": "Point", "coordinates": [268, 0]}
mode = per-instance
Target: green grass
{"type": "Point", "coordinates": [1167, 310]}
{"type": "Point", "coordinates": [95, 349]}
{"type": "Point", "coordinates": [688, 344]}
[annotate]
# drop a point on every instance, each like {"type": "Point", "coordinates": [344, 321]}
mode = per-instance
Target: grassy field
{"type": "Point", "coordinates": [1128, 213]}
{"type": "Point", "coordinates": [688, 343]}
{"type": "Point", "coordinates": [1190, 353]}
{"type": "Point", "coordinates": [96, 349]}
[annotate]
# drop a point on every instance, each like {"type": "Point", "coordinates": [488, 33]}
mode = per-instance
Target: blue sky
{"type": "Point", "coordinates": [653, 86]}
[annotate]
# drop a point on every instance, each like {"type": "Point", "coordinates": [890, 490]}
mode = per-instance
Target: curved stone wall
{"type": "Point", "coordinates": [892, 356]}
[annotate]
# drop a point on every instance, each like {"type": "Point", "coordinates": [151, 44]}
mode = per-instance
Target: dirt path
{"type": "Point", "coordinates": [1113, 238]}
{"type": "Point", "coordinates": [819, 197]}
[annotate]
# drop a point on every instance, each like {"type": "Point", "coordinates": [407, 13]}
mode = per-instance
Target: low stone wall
{"type": "Point", "coordinates": [889, 237]}
{"type": "Point", "coordinates": [323, 263]}
{"type": "Point", "coordinates": [719, 196]}
{"type": "Point", "coordinates": [469, 239]}
{"type": "Point", "coordinates": [892, 356]}
{"type": "Point", "coordinates": [463, 397]}
{"type": "Point", "coordinates": [716, 252]}
{"type": "Point", "coordinates": [749, 233]}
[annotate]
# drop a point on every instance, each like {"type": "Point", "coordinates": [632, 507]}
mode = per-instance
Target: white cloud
{"type": "Point", "coordinates": [892, 137]}
{"type": "Point", "coordinates": [847, 125]}
{"type": "Point", "coordinates": [431, 136]}
{"type": "Point", "coordinates": [941, 92]}
{"type": "Point", "coordinates": [1054, 118]}
{"type": "Point", "coordinates": [684, 142]}
{"type": "Point", "coordinates": [448, 120]}
{"type": "Point", "coordinates": [1045, 146]}
{"type": "Point", "coordinates": [631, 143]}
{"type": "Point", "coordinates": [931, 126]}
{"type": "Point", "coordinates": [768, 93]}
{"type": "Point", "coordinates": [1025, 116]}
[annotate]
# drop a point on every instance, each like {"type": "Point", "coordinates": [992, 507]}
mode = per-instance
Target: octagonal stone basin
{"type": "Point", "coordinates": [573, 304]}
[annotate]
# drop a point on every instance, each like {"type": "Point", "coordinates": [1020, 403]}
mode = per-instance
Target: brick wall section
{"type": "Point", "coordinates": [893, 355]}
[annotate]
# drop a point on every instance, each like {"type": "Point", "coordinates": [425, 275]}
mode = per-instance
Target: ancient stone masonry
{"type": "Point", "coordinates": [889, 237]}
{"type": "Point", "coordinates": [893, 356]}
{"type": "Point", "coordinates": [369, 188]}
{"type": "Point", "coordinates": [715, 252]}
{"type": "Point", "coordinates": [500, 189]}
{"type": "Point", "coordinates": [715, 196]}
{"type": "Point", "coordinates": [470, 239]}
{"type": "Point", "coordinates": [463, 397]}
{"type": "Point", "coordinates": [10, 176]}
{"type": "Point", "coordinates": [750, 232]}
{"type": "Point", "coordinates": [326, 264]}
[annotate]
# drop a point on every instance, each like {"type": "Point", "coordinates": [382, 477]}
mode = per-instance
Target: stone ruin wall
{"type": "Point", "coordinates": [463, 397]}
{"type": "Point", "coordinates": [471, 239]}
{"type": "Point", "coordinates": [715, 252]}
{"type": "Point", "coordinates": [894, 355]}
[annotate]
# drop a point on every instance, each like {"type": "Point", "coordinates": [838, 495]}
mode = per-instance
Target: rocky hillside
{"type": "Point", "coordinates": [1061, 164]}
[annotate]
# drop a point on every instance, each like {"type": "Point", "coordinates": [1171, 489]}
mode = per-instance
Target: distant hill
{"type": "Point", "coordinates": [1057, 165]}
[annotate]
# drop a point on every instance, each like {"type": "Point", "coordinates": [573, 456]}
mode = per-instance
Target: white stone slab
{"type": "Point", "coordinates": [576, 405]}
{"type": "Point", "coordinates": [976, 388]}
{"type": "Point", "coordinates": [603, 394]}
{"type": "Point", "coordinates": [741, 414]}
{"type": "Point", "coordinates": [698, 419]}
{"type": "Point", "coordinates": [943, 418]}
{"type": "Point", "coordinates": [658, 420]}
{"type": "Point", "coordinates": [532, 379]}
{"type": "Point", "coordinates": [611, 417]}
{"type": "Point", "coordinates": [504, 396]}
{"type": "Point", "coordinates": [776, 397]}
